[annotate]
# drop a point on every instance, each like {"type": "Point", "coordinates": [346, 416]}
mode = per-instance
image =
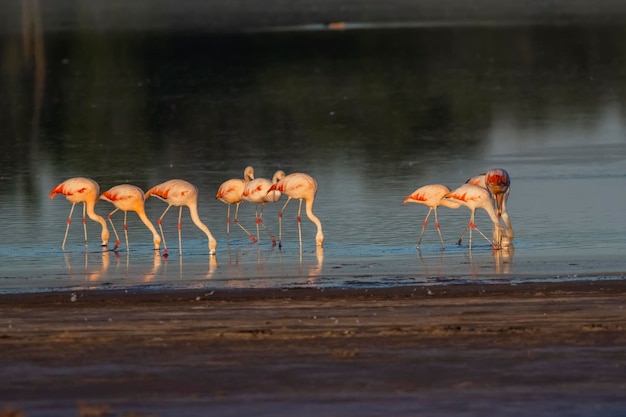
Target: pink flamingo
{"type": "Point", "coordinates": [257, 192]}
{"type": "Point", "coordinates": [431, 196]}
{"type": "Point", "coordinates": [474, 197]}
{"type": "Point", "coordinates": [303, 187]}
{"type": "Point", "coordinates": [498, 182]}
{"type": "Point", "coordinates": [230, 192]}
{"type": "Point", "coordinates": [181, 193]}
{"type": "Point", "coordinates": [127, 198]}
{"type": "Point", "coordinates": [82, 190]}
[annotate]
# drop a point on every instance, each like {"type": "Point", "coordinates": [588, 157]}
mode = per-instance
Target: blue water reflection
{"type": "Point", "coordinates": [372, 114]}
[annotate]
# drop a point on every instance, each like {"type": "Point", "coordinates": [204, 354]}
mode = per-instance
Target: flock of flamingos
{"type": "Point", "coordinates": [488, 191]}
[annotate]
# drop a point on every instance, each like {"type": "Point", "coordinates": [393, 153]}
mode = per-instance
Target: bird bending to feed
{"type": "Point", "coordinates": [127, 198]}
{"type": "Point", "coordinates": [181, 193]}
{"type": "Point", "coordinates": [86, 191]}
{"type": "Point", "coordinates": [474, 197]}
{"type": "Point", "coordinates": [432, 197]}
{"type": "Point", "coordinates": [230, 192]}
{"type": "Point", "coordinates": [303, 187]}
{"type": "Point", "coordinates": [257, 192]}
{"type": "Point", "coordinates": [498, 182]}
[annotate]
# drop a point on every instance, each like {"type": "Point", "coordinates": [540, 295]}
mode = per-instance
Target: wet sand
{"type": "Point", "coordinates": [530, 349]}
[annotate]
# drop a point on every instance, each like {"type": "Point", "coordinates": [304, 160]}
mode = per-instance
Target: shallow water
{"type": "Point", "coordinates": [372, 113]}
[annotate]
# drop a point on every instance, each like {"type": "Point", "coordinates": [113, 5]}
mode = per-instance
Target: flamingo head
{"type": "Point", "coordinates": [157, 242]}
{"type": "Point", "coordinates": [105, 236]}
{"type": "Point", "coordinates": [212, 246]}
{"type": "Point", "coordinates": [319, 239]}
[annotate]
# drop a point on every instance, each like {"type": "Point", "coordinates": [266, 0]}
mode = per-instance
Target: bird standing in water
{"type": "Point", "coordinates": [303, 187]}
{"type": "Point", "coordinates": [181, 193]}
{"type": "Point", "coordinates": [230, 192]}
{"type": "Point", "coordinates": [498, 182]}
{"type": "Point", "coordinates": [127, 197]}
{"type": "Point", "coordinates": [432, 197]}
{"type": "Point", "coordinates": [86, 191]}
{"type": "Point", "coordinates": [474, 197]}
{"type": "Point", "coordinates": [257, 192]}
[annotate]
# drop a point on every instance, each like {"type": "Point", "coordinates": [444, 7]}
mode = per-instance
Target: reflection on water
{"type": "Point", "coordinates": [496, 263]}
{"type": "Point", "coordinates": [96, 266]}
{"type": "Point", "coordinates": [372, 114]}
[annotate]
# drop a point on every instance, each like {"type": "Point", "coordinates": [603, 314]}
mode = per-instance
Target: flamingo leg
{"type": "Point", "coordinates": [462, 234]}
{"type": "Point", "coordinates": [256, 221]}
{"type": "Point", "coordinates": [473, 226]}
{"type": "Point", "coordinates": [265, 227]}
{"type": "Point", "coordinates": [85, 221]}
{"type": "Point", "coordinates": [505, 216]}
{"type": "Point", "coordinates": [228, 221]}
{"type": "Point", "coordinates": [67, 228]}
{"type": "Point", "coordinates": [483, 235]}
{"type": "Point", "coordinates": [126, 231]}
{"type": "Point", "coordinates": [250, 235]}
{"type": "Point", "coordinates": [280, 223]}
{"type": "Point", "coordinates": [299, 224]}
{"type": "Point", "coordinates": [497, 236]}
{"type": "Point", "coordinates": [117, 238]}
{"type": "Point", "coordinates": [438, 229]}
{"type": "Point", "coordinates": [180, 236]}
{"type": "Point", "coordinates": [160, 221]}
{"type": "Point", "coordinates": [424, 223]}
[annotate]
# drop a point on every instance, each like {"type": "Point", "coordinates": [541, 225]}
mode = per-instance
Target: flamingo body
{"type": "Point", "coordinates": [86, 191]}
{"type": "Point", "coordinates": [432, 197]}
{"type": "Point", "coordinates": [498, 182]}
{"type": "Point", "coordinates": [258, 192]}
{"type": "Point", "coordinates": [180, 193]}
{"type": "Point", "coordinates": [127, 197]}
{"type": "Point", "coordinates": [302, 187]}
{"type": "Point", "coordinates": [230, 192]}
{"type": "Point", "coordinates": [474, 197]}
{"type": "Point", "coordinates": [478, 180]}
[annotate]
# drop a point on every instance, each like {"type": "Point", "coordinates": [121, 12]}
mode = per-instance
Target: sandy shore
{"type": "Point", "coordinates": [531, 349]}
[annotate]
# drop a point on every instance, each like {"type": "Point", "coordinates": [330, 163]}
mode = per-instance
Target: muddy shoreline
{"type": "Point", "coordinates": [528, 348]}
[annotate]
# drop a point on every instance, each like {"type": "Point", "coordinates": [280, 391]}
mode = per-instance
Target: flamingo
{"type": "Point", "coordinates": [498, 182]}
{"type": "Point", "coordinates": [432, 197]}
{"type": "Point", "coordinates": [257, 192]}
{"type": "Point", "coordinates": [303, 187]}
{"type": "Point", "coordinates": [127, 197]}
{"type": "Point", "coordinates": [82, 190]}
{"type": "Point", "coordinates": [474, 197]}
{"type": "Point", "coordinates": [181, 193]}
{"type": "Point", "coordinates": [230, 192]}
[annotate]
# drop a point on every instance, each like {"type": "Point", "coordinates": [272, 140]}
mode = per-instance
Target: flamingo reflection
{"type": "Point", "coordinates": [315, 270]}
{"type": "Point", "coordinates": [148, 276]}
{"type": "Point", "coordinates": [503, 259]}
{"type": "Point", "coordinates": [211, 268]}
{"type": "Point", "coordinates": [93, 274]}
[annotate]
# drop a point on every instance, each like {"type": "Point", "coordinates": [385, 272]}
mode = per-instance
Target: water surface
{"type": "Point", "coordinates": [372, 113]}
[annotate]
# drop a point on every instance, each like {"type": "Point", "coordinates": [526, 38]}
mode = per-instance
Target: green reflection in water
{"type": "Point", "coordinates": [124, 105]}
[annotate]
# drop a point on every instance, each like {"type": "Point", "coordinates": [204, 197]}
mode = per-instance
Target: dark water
{"type": "Point", "coordinates": [373, 112]}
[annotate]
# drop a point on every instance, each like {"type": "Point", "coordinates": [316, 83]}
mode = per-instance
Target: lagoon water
{"type": "Point", "coordinates": [372, 112]}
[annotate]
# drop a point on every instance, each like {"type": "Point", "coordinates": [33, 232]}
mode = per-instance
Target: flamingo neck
{"type": "Point", "coordinates": [195, 218]}
{"type": "Point", "coordinates": [492, 213]}
{"type": "Point", "coordinates": [91, 213]}
{"type": "Point", "coordinates": [319, 237]}
{"type": "Point", "coordinates": [150, 226]}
